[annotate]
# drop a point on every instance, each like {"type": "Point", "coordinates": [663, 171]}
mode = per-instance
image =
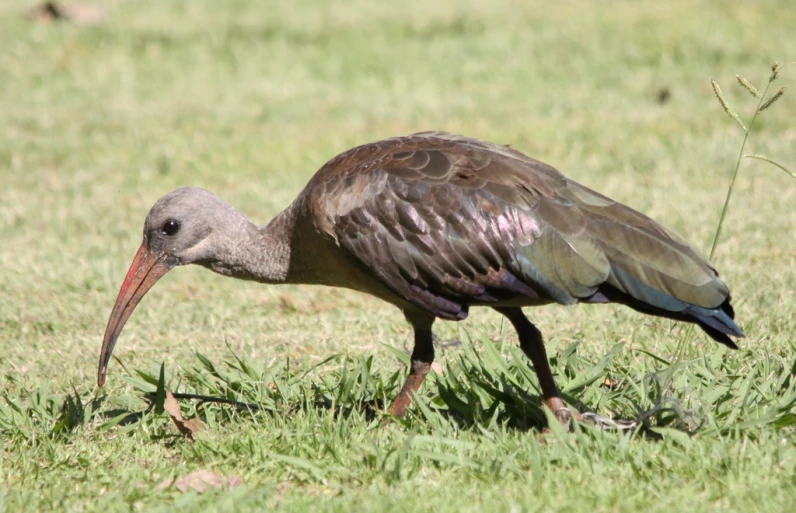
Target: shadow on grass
{"type": "Point", "coordinates": [456, 402]}
{"type": "Point", "coordinates": [476, 390]}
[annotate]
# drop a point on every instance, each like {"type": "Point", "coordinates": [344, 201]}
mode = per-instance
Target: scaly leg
{"type": "Point", "coordinates": [422, 358]}
{"type": "Point", "coordinates": [532, 345]}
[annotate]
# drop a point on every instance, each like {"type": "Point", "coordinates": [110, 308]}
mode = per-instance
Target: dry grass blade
{"type": "Point", "coordinates": [772, 162]}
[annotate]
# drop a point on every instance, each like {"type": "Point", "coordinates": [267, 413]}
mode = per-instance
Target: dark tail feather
{"type": "Point", "coordinates": [718, 322]}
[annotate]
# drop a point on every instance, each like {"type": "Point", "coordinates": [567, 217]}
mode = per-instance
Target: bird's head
{"type": "Point", "coordinates": [183, 227]}
{"type": "Point", "coordinates": [180, 227]}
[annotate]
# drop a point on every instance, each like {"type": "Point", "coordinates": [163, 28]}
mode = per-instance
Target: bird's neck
{"type": "Point", "coordinates": [273, 254]}
{"type": "Point", "coordinates": [258, 254]}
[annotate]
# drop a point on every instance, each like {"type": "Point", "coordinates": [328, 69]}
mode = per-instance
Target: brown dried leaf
{"type": "Point", "coordinates": [194, 426]}
{"type": "Point", "coordinates": [188, 427]}
{"type": "Point", "coordinates": [172, 407]}
{"type": "Point", "coordinates": [200, 481]}
{"type": "Point", "coordinates": [80, 14]}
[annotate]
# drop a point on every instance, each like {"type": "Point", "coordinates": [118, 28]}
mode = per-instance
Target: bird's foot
{"type": "Point", "coordinates": [566, 415]}
{"type": "Point", "coordinates": [563, 413]}
{"type": "Point", "coordinates": [569, 416]}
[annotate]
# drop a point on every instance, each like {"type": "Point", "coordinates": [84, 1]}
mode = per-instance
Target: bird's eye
{"type": "Point", "coordinates": [171, 227]}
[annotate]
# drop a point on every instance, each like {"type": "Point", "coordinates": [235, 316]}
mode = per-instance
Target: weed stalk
{"type": "Point", "coordinates": [763, 103]}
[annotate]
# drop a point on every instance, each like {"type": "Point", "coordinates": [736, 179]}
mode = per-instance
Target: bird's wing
{"type": "Point", "coordinates": [445, 221]}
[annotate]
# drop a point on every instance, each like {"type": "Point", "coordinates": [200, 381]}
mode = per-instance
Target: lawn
{"type": "Point", "coordinates": [248, 99]}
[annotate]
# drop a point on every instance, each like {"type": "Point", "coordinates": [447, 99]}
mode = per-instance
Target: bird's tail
{"type": "Point", "coordinates": [718, 323]}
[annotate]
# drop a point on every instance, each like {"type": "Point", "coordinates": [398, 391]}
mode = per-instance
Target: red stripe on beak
{"type": "Point", "coordinates": [146, 269]}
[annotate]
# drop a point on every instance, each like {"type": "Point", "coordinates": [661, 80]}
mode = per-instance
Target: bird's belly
{"type": "Point", "coordinates": [354, 279]}
{"type": "Point", "coordinates": [335, 269]}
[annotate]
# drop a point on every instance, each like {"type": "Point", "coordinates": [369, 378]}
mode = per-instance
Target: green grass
{"type": "Point", "coordinates": [248, 100]}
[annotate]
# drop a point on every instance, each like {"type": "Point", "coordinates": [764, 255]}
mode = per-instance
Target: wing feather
{"type": "Point", "coordinates": [445, 221]}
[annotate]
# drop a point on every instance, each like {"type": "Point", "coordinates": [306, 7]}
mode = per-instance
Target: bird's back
{"type": "Point", "coordinates": [445, 221]}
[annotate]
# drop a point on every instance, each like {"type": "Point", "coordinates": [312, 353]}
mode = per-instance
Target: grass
{"type": "Point", "coordinates": [247, 101]}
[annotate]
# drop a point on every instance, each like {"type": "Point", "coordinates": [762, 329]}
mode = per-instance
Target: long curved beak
{"type": "Point", "coordinates": [146, 269]}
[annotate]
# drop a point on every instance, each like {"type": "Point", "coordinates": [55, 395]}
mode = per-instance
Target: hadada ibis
{"type": "Point", "coordinates": [435, 223]}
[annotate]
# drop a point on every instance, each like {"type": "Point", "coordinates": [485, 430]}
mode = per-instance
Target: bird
{"type": "Point", "coordinates": [435, 223]}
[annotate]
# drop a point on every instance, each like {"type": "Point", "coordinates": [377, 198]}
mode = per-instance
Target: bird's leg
{"type": "Point", "coordinates": [532, 345]}
{"type": "Point", "coordinates": [422, 358]}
